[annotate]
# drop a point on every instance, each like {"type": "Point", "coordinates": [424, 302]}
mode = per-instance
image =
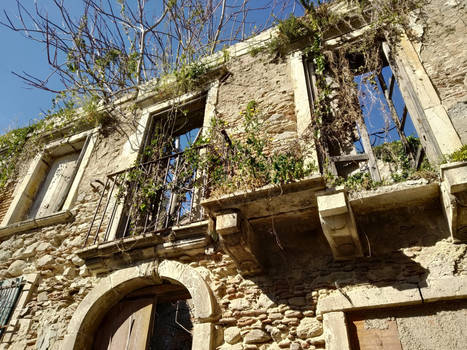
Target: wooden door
{"type": "Point", "coordinates": [126, 326]}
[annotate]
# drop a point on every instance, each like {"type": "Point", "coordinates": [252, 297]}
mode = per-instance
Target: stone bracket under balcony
{"type": "Point", "coordinates": [454, 198]}
{"type": "Point", "coordinates": [240, 218]}
{"type": "Point", "coordinates": [235, 236]}
{"type": "Point", "coordinates": [338, 224]}
{"type": "Point", "coordinates": [257, 227]}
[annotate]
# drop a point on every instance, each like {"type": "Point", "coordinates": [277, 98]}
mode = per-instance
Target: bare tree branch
{"type": "Point", "coordinates": [112, 47]}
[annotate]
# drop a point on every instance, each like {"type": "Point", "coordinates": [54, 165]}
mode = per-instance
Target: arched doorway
{"type": "Point", "coordinates": [150, 318]}
{"type": "Point", "coordinates": [115, 287]}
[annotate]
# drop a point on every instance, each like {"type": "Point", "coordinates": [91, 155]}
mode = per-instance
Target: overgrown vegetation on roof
{"type": "Point", "coordinates": [67, 117]}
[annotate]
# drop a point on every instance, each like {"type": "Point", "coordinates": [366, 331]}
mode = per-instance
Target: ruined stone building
{"type": "Point", "coordinates": [297, 228]}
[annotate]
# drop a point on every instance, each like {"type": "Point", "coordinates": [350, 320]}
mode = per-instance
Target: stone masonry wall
{"type": "Point", "coordinates": [50, 251]}
{"type": "Point", "coordinates": [64, 279]}
{"type": "Point", "coordinates": [277, 309]}
{"type": "Point", "coordinates": [268, 82]}
{"type": "Point", "coordinates": [443, 52]}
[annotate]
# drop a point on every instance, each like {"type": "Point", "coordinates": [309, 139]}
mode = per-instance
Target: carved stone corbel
{"type": "Point", "coordinates": [338, 224]}
{"type": "Point", "coordinates": [235, 235]}
{"type": "Point", "coordinates": [454, 198]}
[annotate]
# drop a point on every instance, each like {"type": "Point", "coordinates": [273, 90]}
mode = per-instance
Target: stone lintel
{"type": "Point", "coordinates": [30, 224]}
{"type": "Point", "coordinates": [128, 251]}
{"type": "Point", "coordinates": [370, 297]}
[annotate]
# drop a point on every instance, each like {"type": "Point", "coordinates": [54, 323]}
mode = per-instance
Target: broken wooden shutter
{"type": "Point", "coordinates": [126, 326]}
{"type": "Point", "coordinates": [9, 292]}
{"type": "Point", "coordinates": [57, 184]}
{"type": "Point", "coordinates": [73, 175]}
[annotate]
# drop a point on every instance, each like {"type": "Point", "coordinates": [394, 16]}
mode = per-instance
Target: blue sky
{"type": "Point", "coordinates": [20, 103]}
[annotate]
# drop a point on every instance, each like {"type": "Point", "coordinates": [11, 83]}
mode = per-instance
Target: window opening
{"type": "Point", "coordinates": [54, 185]}
{"type": "Point", "coordinates": [61, 167]}
{"type": "Point", "coordinates": [47, 186]}
{"type": "Point", "coordinates": [383, 142]}
{"type": "Point", "coordinates": [159, 193]}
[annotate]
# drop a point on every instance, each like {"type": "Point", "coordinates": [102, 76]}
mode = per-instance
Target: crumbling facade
{"type": "Point", "coordinates": [297, 265]}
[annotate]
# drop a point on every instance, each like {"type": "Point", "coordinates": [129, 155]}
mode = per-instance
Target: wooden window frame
{"type": "Point", "coordinates": [422, 102]}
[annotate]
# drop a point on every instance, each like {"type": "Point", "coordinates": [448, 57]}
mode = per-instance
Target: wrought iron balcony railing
{"type": "Point", "coordinates": [149, 198]}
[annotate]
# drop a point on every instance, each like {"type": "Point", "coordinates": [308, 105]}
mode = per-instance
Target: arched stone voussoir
{"type": "Point", "coordinates": [101, 298]}
{"type": "Point", "coordinates": [203, 300]}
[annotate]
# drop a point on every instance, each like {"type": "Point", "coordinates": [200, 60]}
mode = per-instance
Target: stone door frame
{"type": "Point", "coordinates": [115, 286]}
{"type": "Point", "coordinates": [334, 306]}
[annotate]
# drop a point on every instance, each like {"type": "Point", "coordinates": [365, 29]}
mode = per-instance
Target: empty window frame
{"type": "Point", "coordinates": [159, 192]}
{"type": "Point", "coordinates": [383, 141]}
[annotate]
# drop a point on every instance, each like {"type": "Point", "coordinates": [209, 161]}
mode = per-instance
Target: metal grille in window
{"type": "Point", "coordinates": [9, 292]}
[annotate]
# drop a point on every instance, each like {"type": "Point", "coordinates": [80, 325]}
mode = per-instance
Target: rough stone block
{"type": "Point", "coordinates": [309, 328]}
{"type": "Point", "coordinates": [232, 335]}
{"type": "Point", "coordinates": [339, 227]}
{"type": "Point", "coordinates": [256, 336]}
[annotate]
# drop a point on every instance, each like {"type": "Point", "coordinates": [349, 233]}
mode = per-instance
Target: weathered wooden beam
{"type": "Point", "coordinates": [395, 117]}
{"type": "Point", "coordinates": [350, 158]}
{"type": "Point", "coordinates": [373, 167]}
{"type": "Point", "coordinates": [419, 157]}
{"type": "Point", "coordinates": [404, 117]}
{"type": "Point", "coordinates": [391, 86]}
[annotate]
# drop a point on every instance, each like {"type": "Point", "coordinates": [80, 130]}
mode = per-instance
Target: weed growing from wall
{"type": "Point", "coordinates": [458, 156]}
{"type": "Point", "coordinates": [247, 162]}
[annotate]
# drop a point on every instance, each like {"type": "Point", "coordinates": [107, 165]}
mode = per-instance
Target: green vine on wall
{"type": "Point", "coordinates": [459, 155]}
{"type": "Point", "coordinates": [67, 115]}
{"type": "Point", "coordinates": [246, 161]}
{"type": "Point", "coordinates": [336, 109]}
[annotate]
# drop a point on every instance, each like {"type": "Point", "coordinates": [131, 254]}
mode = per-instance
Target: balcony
{"type": "Point", "coordinates": [148, 208]}
{"type": "Point", "coordinates": [164, 209]}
